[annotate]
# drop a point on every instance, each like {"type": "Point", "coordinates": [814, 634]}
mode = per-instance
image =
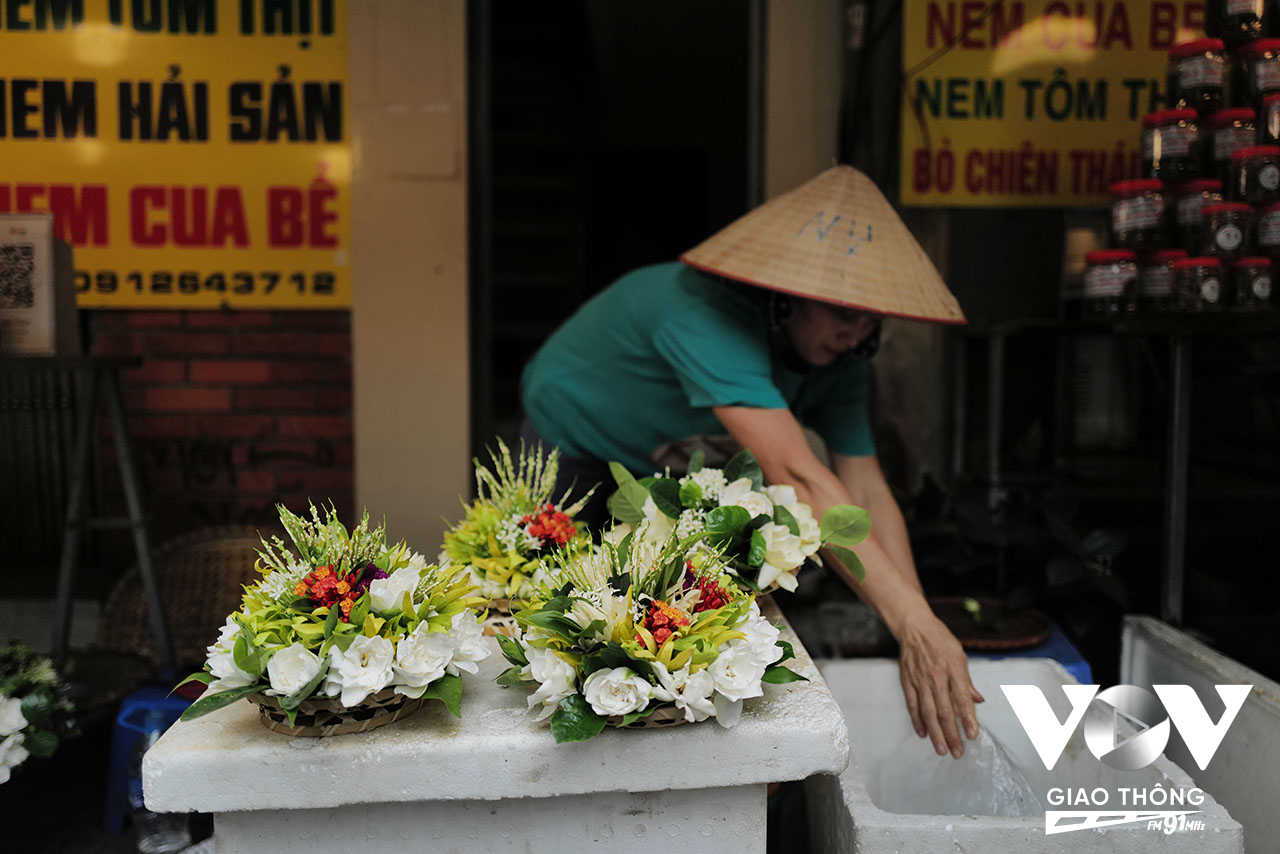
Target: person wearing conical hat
{"type": "Point", "coordinates": [766, 326]}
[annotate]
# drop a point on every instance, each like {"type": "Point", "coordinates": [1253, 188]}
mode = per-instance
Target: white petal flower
{"type": "Point", "coordinates": [727, 711]}
{"type": "Point", "coordinates": [737, 671]}
{"type": "Point", "coordinates": [619, 691]}
{"type": "Point", "coordinates": [810, 529]}
{"type": "Point", "coordinates": [12, 754]}
{"type": "Point", "coordinates": [740, 494]}
{"type": "Point", "coordinates": [421, 658]}
{"type": "Point", "coordinates": [761, 637]}
{"type": "Point", "coordinates": [469, 646]}
{"type": "Point", "coordinates": [782, 494]}
{"type": "Point", "coordinates": [386, 594]}
{"type": "Point", "coordinates": [556, 677]}
{"type": "Point", "coordinates": [691, 692]}
{"type": "Point", "coordinates": [11, 717]}
{"type": "Point", "coordinates": [771, 574]}
{"type": "Point", "coordinates": [660, 524]}
{"type": "Point", "coordinates": [225, 673]}
{"type": "Point", "coordinates": [781, 547]}
{"type": "Point", "coordinates": [712, 483]}
{"type": "Point", "coordinates": [290, 669]}
{"type": "Point", "coordinates": [364, 669]}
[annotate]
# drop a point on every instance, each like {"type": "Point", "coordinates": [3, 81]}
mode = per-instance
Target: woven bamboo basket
{"type": "Point", "coordinates": [663, 718]}
{"type": "Point", "coordinates": [320, 717]}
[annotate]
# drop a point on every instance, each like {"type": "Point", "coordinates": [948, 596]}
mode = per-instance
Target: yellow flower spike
{"type": "Point", "coordinates": [372, 624]}
{"type": "Point", "coordinates": [680, 660]}
{"type": "Point", "coordinates": [647, 638]}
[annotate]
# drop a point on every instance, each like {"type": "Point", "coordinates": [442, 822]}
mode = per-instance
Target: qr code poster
{"type": "Point", "coordinates": [26, 284]}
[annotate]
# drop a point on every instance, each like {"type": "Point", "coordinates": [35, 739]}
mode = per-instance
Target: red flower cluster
{"type": "Point", "coordinates": [662, 621]}
{"type": "Point", "coordinates": [712, 595]}
{"type": "Point", "coordinates": [550, 524]}
{"type": "Point", "coordinates": [323, 587]}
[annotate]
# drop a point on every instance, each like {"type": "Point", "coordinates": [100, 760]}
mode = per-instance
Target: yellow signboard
{"type": "Point", "coordinates": [195, 152]}
{"type": "Point", "coordinates": [1031, 103]}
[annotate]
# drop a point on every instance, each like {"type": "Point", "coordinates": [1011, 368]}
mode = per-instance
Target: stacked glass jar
{"type": "Point", "coordinates": [1202, 223]}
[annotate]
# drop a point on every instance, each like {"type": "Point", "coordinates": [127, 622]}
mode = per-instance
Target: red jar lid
{"type": "Point", "coordinates": [1199, 185]}
{"type": "Point", "coordinates": [1260, 46]}
{"type": "Point", "coordinates": [1136, 186]}
{"type": "Point", "coordinates": [1227, 207]}
{"type": "Point", "coordinates": [1108, 256]}
{"type": "Point", "coordinates": [1222, 118]}
{"type": "Point", "coordinates": [1163, 256]}
{"type": "Point", "coordinates": [1168, 117]}
{"type": "Point", "coordinates": [1256, 151]}
{"type": "Point", "coordinates": [1274, 206]}
{"type": "Point", "coordinates": [1178, 51]}
{"type": "Point", "coordinates": [1190, 263]}
{"type": "Point", "coordinates": [1251, 262]}
{"type": "Point", "coordinates": [1271, 99]}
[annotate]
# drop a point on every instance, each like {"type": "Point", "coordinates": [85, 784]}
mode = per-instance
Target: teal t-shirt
{"type": "Point", "coordinates": [643, 362]}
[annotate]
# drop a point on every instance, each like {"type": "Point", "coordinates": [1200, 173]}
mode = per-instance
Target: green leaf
{"type": "Point", "coordinates": [198, 676]}
{"type": "Point", "coordinates": [41, 743]}
{"type": "Point", "coordinates": [612, 655]}
{"type": "Point", "coordinates": [690, 494]}
{"type": "Point", "coordinates": [666, 496]}
{"type": "Point", "coordinates": [361, 609]}
{"type": "Point", "coordinates": [511, 650]}
{"type": "Point", "coordinates": [776, 675]}
{"type": "Point", "coordinates": [211, 702]}
{"type": "Point", "coordinates": [510, 677]}
{"type": "Point", "coordinates": [755, 556]}
{"type": "Point", "coordinates": [291, 715]}
{"type": "Point", "coordinates": [627, 504]}
{"type": "Point", "coordinates": [728, 521]}
{"type": "Point", "coordinates": [787, 652]}
{"type": "Point", "coordinates": [760, 521]}
{"type": "Point", "coordinates": [744, 464]}
{"type": "Point", "coordinates": [575, 721]}
{"type": "Point", "coordinates": [295, 699]}
{"type": "Point", "coordinates": [850, 560]}
{"type": "Point", "coordinates": [36, 708]}
{"type": "Point", "coordinates": [448, 690]}
{"type": "Point", "coordinates": [783, 516]}
{"type": "Point", "coordinates": [845, 525]}
{"type": "Point", "coordinates": [553, 622]}
{"type": "Point", "coordinates": [697, 461]}
{"type": "Point", "coordinates": [330, 622]}
{"type": "Point", "coordinates": [624, 550]}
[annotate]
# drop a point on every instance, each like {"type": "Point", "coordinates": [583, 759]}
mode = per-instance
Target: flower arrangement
{"type": "Point", "coordinates": [622, 633]}
{"type": "Point", "coordinates": [347, 617]}
{"type": "Point", "coordinates": [35, 710]}
{"type": "Point", "coordinates": [514, 523]}
{"type": "Point", "coordinates": [765, 532]}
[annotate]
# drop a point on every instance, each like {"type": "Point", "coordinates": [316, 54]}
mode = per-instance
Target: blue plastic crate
{"type": "Point", "coordinates": [129, 727]}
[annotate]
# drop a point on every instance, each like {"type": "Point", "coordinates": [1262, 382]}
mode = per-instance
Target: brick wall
{"type": "Point", "coordinates": [229, 413]}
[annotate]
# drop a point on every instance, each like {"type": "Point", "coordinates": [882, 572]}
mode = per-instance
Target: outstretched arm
{"type": "Point", "coordinates": [933, 667]}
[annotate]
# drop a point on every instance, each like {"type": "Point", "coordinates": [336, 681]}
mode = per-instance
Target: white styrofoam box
{"type": "Point", "coordinates": [849, 814]}
{"type": "Point", "coordinates": [1242, 774]}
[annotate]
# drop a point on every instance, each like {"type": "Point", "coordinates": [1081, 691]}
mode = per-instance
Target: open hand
{"type": "Point", "coordinates": [936, 684]}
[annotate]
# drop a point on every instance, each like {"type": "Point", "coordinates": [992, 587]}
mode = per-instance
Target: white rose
{"type": "Point", "coordinates": [469, 646]}
{"type": "Point", "coordinates": [616, 692]}
{"type": "Point", "coordinates": [556, 678]}
{"type": "Point", "coordinates": [11, 717]}
{"type": "Point", "coordinates": [782, 494]}
{"type": "Point", "coordinates": [227, 636]}
{"type": "Point", "coordinates": [421, 658]}
{"type": "Point", "coordinates": [387, 594]}
{"type": "Point", "coordinates": [659, 523]}
{"type": "Point", "coordinates": [691, 692]}
{"type": "Point", "coordinates": [12, 754]}
{"type": "Point", "coordinates": [737, 671]}
{"type": "Point", "coordinates": [290, 669]}
{"type": "Point", "coordinates": [762, 638]}
{"type": "Point", "coordinates": [740, 494]}
{"type": "Point", "coordinates": [782, 557]}
{"type": "Point", "coordinates": [364, 669]}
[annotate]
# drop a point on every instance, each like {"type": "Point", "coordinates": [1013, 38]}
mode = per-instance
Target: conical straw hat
{"type": "Point", "coordinates": [834, 239]}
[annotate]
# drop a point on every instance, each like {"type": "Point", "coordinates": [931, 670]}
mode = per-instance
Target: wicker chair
{"type": "Point", "coordinates": [201, 578]}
